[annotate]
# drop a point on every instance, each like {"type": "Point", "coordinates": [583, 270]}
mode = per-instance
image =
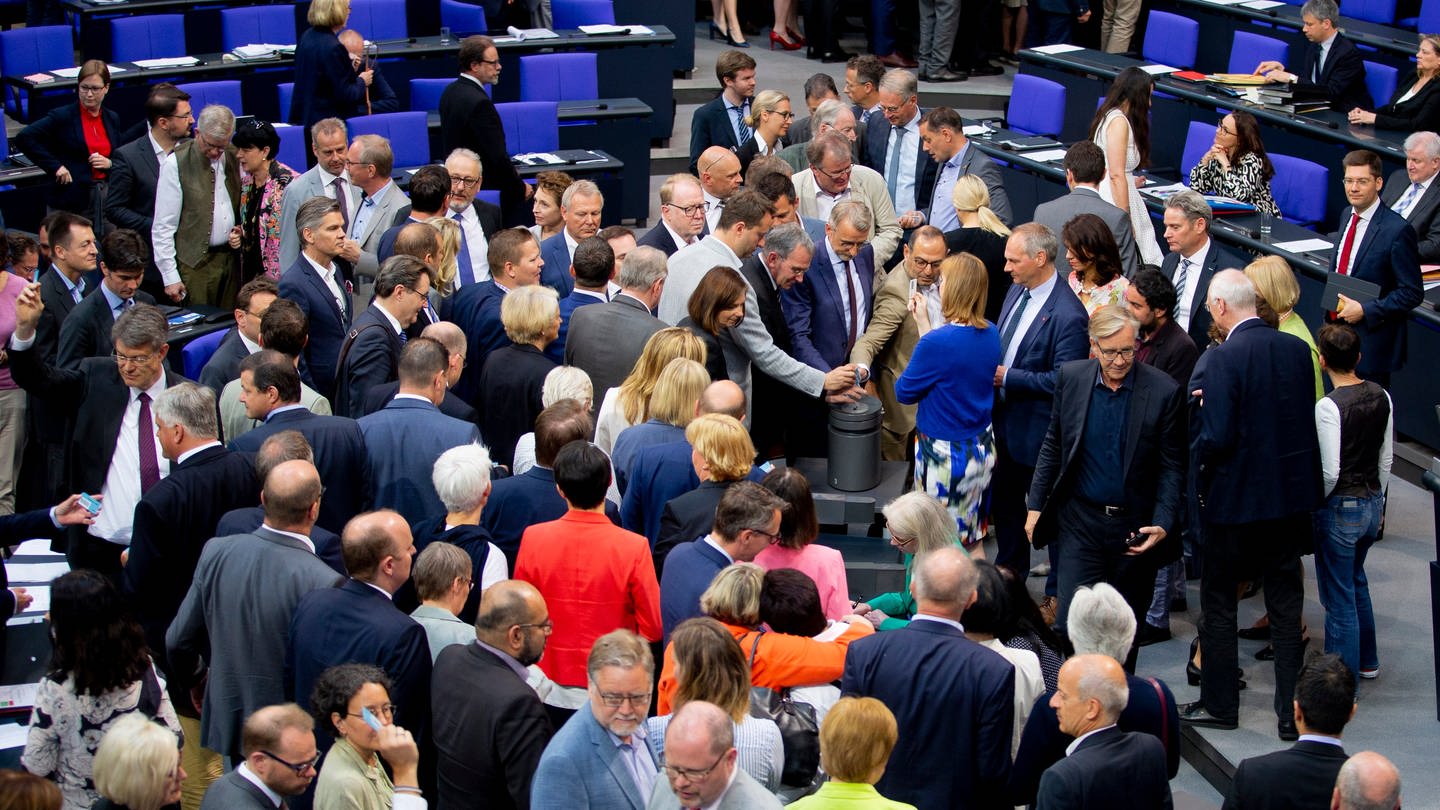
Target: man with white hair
{"type": "Point", "coordinates": [197, 206]}
{"type": "Point", "coordinates": [682, 214]}
{"type": "Point", "coordinates": [478, 220]}
{"type": "Point", "coordinates": [1367, 781]}
{"type": "Point", "coordinates": [1414, 194]}
{"type": "Point", "coordinates": [833, 115]}
{"type": "Point", "coordinates": [580, 206]}
{"type": "Point", "coordinates": [1104, 766]}
{"type": "Point", "coordinates": [701, 768]}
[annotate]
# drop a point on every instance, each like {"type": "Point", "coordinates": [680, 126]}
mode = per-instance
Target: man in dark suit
{"type": "Point", "coordinates": [370, 355]}
{"type": "Point", "coordinates": [1084, 169]}
{"type": "Point", "coordinates": [892, 143]}
{"type": "Point", "coordinates": [449, 336]}
{"type": "Point", "coordinates": [251, 304]}
{"type": "Point", "coordinates": [112, 449]}
{"type": "Point", "coordinates": [514, 262]}
{"type": "Point", "coordinates": [278, 758]}
{"type": "Point", "coordinates": [1042, 325]}
{"type": "Point", "coordinates": [1253, 441]}
{"type": "Point", "coordinates": [1193, 260]}
{"type": "Point", "coordinates": [1304, 774]}
{"type": "Point", "coordinates": [592, 269]}
{"type": "Point", "coordinates": [824, 313]}
{"type": "Point", "coordinates": [606, 341]}
{"type": "Point", "coordinates": [682, 215]}
{"type": "Point", "coordinates": [313, 283]}
{"type": "Point", "coordinates": [519, 501]}
{"type": "Point", "coordinates": [468, 120]}
{"type": "Point", "coordinates": [1331, 67]}
{"type": "Point", "coordinates": [429, 196]}
{"type": "Point", "coordinates": [86, 333]}
{"type": "Point", "coordinates": [357, 623]}
{"type": "Point", "coordinates": [721, 122]}
{"type": "Point", "coordinates": [73, 254]}
{"type": "Point", "coordinates": [379, 95]}
{"type": "Point", "coordinates": [1414, 194]}
{"type": "Point", "coordinates": [770, 272]}
{"type": "Point", "coordinates": [942, 135]}
{"type": "Point", "coordinates": [940, 685]}
{"type": "Point", "coordinates": [746, 519]}
{"type": "Point", "coordinates": [235, 616]}
{"type": "Point", "coordinates": [1104, 767]}
{"type": "Point", "coordinates": [1377, 245]}
{"type": "Point", "coordinates": [1108, 480]}
{"type": "Point", "coordinates": [135, 167]}
{"type": "Point", "coordinates": [403, 439]}
{"type": "Point", "coordinates": [1163, 344]}
{"type": "Point", "coordinates": [580, 206]}
{"type": "Point", "coordinates": [488, 741]}
{"type": "Point", "coordinates": [270, 390]}
{"type": "Point", "coordinates": [479, 221]}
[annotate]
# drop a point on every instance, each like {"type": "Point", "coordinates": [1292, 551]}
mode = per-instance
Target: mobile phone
{"type": "Point", "coordinates": [89, 503]}
{"type": "Point", "coordinates": [1135, 539]}
{"type": "Point", "coordinates": [369, 718]}
{"type": "Point", "coordinates": [914, 285]}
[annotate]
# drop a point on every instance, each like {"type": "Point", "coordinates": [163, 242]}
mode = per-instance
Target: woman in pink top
{"type": "Point", "coordinates": [12, 399]}
{"type": "Point", "coordinates": [797, 548]}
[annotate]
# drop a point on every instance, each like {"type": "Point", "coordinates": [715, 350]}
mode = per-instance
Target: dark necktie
{"type": "Point", "coordinates": [1013, 323]}
{"type": "Point", "coordinates": [892, 174]}
{"type": "Point", "coordinates": [340, 195]}
{"type": "Point", "coordinates": [149, 466]}
{"type": "Point", "coordinates": [854, 311]}
{"type": "Point", "coordinates": [742, 132]}
{"type": "Point", "coordinates": [465, 269]}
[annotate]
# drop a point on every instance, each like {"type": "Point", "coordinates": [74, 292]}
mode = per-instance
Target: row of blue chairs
{"type": "Point", "coordinates": [1383, 12]}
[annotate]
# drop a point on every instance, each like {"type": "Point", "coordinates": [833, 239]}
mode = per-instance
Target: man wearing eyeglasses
{"type": "Point", "coordinates": [281, 760]}
{"type": "Point", "coordinates": [370, 355]}
{"type": "Point", "coordinates": [682, 215]}
{"type": "Point", "coordinates": [479, 221]}
{"type": "Point", "coordinates": [370, 162]}
{"type": "Point", "coordinates": [135, 167]}
{"type": "Point", "coordinates": [892, 142]}
{"type": "Point", "coordinates": [468, 120]}
{"type": "Point", "coordinates": [701, 765]}
{"type": "Point", "coordinates": [1107, 485]}
{"type": "Point", "coordinates": [197, 205]}
{"type": "Point", "coordinates": [834, 176]}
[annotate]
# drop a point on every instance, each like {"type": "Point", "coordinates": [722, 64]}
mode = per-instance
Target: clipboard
{"type": "Point", "coordinates": [1357, 289]}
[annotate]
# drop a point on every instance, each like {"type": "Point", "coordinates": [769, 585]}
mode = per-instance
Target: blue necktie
{"type": "Point", "coordinates": [1013, 323]}
{"type": "Point", "coordinates": [892, 176]}
{"type": "Point", "coordinates": [462, 259]}
{"type": "Point", "coordinates": [742, 132]}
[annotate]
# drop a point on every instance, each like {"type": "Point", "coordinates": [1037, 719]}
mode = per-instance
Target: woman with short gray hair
{"type": "Point", "coordinates": [462, 480]}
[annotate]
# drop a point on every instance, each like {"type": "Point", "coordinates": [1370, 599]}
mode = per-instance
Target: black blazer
{"type": "Point", "coordinates": [712, 125]}
{"type": "Point", "coordinates": [1154, 465]}
{"type": "Point", "coordinates": [326, 85]}
{"type": "Point", "coordinates": [373, 357]}
{"type": "Point", "coordinates": [1343, 76]}
{"type": "Point", "coordinates": [1216, 259]}
{"type": "Point", "coordinates": [1111, 769]}
{"type": "Point", "coordinates": [1302, 775]}
{"type": "Point", "coordinates": [130, 199]}
{"type": "Point", "coordinates": [714, 354]}
{"type": "Point", "coordinates": [767, 300]}
{"type": "Point", "coordinates": [328, 323]}
{"type": "Point", "coordinates": [1173, 352]}
{"type": "Point", "coordinates": [688, 517]}
{"type": "Point", "coordinates": [250, 518]}
{"type": "Point", "coordinates": [468, 119]}
{"type": "Point", "coordinates": [86, 333]}
{"type": "Point", "coordinates": [58, 140]}
{"type": "Point", "coordinates": [224, 364]}
{"type": "Point", "coordinates": [471, 539]}
{"type": "Point", "coordinates": [380, 395]}
{"type": "Point", "coordinates": [510, 385]}
{"type": "Point", "coordinates": [749, 150]}
{"type": "Point", "coordinates": [1424, 217]}
{"type": "Point", "coordinates": [877, 141]}
{"type": "Point", "coordinates": [989, 248]}
{"type": "Point", "coordinates": [339, 456]}
{"type": "Point", "coordinates": [658, 238]}
{"type": "Point", "coordinates": [475, 308]}
{"type": "Point", "coordinates": [1421, 112]}
{"type": "Point", "coordinates": [1387, 255]}
{"type": "Point", "coordinates": [172, 523]}
{"type": "Point", "coordinates": [488, 741]}
{"type": "Point", "coordinates": [58, 306]}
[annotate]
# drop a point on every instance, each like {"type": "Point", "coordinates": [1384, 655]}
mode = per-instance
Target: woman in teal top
{"type": "Point", "coordinates": [918, 523]}
{"type": "Point", "coordinates": [856, 739]}
{"type": "Point", "coordinates": [1275, 282]}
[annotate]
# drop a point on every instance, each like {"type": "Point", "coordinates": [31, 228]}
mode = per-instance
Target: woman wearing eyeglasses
{"type": "Point", "coordinates": [261, 199]}
{"type": "Point", "coordinates": [73, 145]}
{"type": "Point", "coordinates": [918, 523]}
{"type": "Point", "coordinates": [349, 699]}
{"type": "Point", "coordinates": [770, 117]}
{"type": "Point", "coordinates": [1236, 164]}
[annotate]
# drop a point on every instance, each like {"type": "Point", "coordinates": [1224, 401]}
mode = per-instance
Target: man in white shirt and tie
{"type": "Point", "coordinates": [328, 178]}
{"type": "Point", "coordinates": [893, 142]}
{"type": "Point", "coordinates": [197, 205]}
{"type": "Point", "coordinates": [720, 178]}
{"type": "Point", "coordinates": [477, 222]}
{"type": "Point", "coordinates": [1414, 194]}
{"type": "Point", "coordinates": [312, 283]}
{"type": "Point", "coordinates": [1193, 260]}
{"type": "Point", "coordinates": [682, 214]}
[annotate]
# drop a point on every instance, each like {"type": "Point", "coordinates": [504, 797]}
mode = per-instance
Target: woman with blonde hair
{"type": "Point", "coordinates": [722, 455]}
{"type": "Point", "coordinates": [770, 116]}
{"type": "Point", "coordinates": [562, 382]}
{"type": "Point", "coordinates": [137, 766]}
{"type": "Point", "coordinates": [856, 739]}
{"type": "Point", "coordinates": [954, 443]}
{"type": "Point", "coordinates": [446, 263]}
{"type": "Point", "coordinates": [918, 523]}
{"type": "Point", "coordinates": [1275, 282]}
{"type": "Point", "coordinates": [672, 407]}
{"type": "Point", "coordinates": [982, 235]}
{"type": "Point", "coordinates": [629, 404]}
{"type": "Point", "coordinates": [513, 377]}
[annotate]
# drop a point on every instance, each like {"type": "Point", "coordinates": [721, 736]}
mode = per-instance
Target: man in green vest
{"type": "Point", "coordinates": [197, 208]}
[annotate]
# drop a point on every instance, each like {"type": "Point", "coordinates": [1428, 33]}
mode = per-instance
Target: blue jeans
{"type": "Point", "coordinates": [1347, 527]}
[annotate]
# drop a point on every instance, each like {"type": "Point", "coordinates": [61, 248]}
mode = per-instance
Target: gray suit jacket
{"type": "Point", "coordinates": [750, 345]}
{"type": "Point", "coordinates": [867, 186]}
{"type": "Point", "coordinates": [375, 228]}
{"type": "Point", "coordinates": [744, 794]}
{"type": "Point", "coordinates": [688, 266]}
{"type": "Point", "coordinates": [301, 189]}
{"type": "Point", "coordinates": [605, 341]}
{"type": "Point", "coordinates": [237, 617]}
{"type": "Point", "coordinates": [1086, 200]}
{"type": "Point", "coordinates": [1424, 216]}
{"type": "Point", "coordinates": [234, 792]}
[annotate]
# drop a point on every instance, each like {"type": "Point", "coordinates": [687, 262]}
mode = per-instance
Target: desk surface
{"type": "Point", "coordinates": [1389, 38]}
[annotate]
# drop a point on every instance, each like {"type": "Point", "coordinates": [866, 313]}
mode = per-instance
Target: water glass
{"type": "Point", "coordinates": [444, 35]}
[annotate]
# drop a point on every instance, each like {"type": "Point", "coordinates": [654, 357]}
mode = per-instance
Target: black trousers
{"type": "Point", "coordinates": [1009, 487]}
{"type": "Point", "coordinates": [91, 552]}
{"type": "Point", "coordinates": [1092, 549]}
{"type": "Point", "coordinates": [1232, 553]}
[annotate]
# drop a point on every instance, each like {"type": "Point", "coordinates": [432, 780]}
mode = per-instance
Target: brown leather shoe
{"type": "Point", "coordinates": [1047, 609]}
{"type": "Point", "coordinates": [897, 60]}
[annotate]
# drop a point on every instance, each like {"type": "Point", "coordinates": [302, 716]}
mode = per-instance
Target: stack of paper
{"type": "Point", "coordinates": [168, 62]}
{"type": "Point", "coordinates": [262, 51]}
{"type": "Point", "coordinates": [520, 35]}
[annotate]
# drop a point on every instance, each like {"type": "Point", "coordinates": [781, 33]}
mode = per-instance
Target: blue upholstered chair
{"type": "Point", "coordinates": [1300, 188]}
{"type": "Point", "coordinates": [1171, 39]}
{"type": "Point", "coordinates": [1037, 106]}
{"type": "Point", "coordinates": [222, 92]}
{"type": "Point", "coordinates": [153, 36]}
{"type": "Point", "coordinates": [253, 25]}
{"type": "Point", "coordinates": [1248, 50]}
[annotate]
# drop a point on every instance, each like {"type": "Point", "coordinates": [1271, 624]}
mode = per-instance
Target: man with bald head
{"type": "Point", "coordinates": [941, 686]}
{"type": "Point", "coordinates": [701, 768]}
{"type": "Point", "coordinates": [720, 178]}
{"type": "Point", "coordinates": [236, 615]}
{"type": "Point", "coordinates": [1367, 781]}
{"type": "Point", "coordinates": [1104, 766]}
{"type": "Point", "coordinates": [276, 741]}
{"type": "Point", "coordinates": [453, 339]}
{"type": "Point", "coordinates": [358, 622]}
{"type": "Point", "coordinates": [488, 741]}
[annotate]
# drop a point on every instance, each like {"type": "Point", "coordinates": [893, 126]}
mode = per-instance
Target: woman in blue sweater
{"type": "Point", "coordinates": [951, 374]}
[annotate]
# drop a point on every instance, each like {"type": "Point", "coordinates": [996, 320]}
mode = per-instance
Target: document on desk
{"type": "Point", "coordinates": [1059, 48]}
{"type": "Point", "coordinates": [168, 62]}
{"type": "Point", "coordinates": [602, 29]}
{"type": "Point", "coordinates": [976, 130]}
{"type": "Point", "coordinates": [14, 735]}
{"type": "Point", "coordinates": [1261, 5]}
{"type": "Point", "coordinates": [21, 573]}
{"type": "Point", "coordinates": [74, 72]}
{"type": "Point", "coordinates": [1225, 2]}
{"type": "Point", "coordinates": [1046, 155]}
{"type": "Point", "coordinates": [1303, 245]}
{"type": "Point", "coordinates": [1159, 70]}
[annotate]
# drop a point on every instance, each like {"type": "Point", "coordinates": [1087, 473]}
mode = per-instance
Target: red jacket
{"type": "Point", "coordinates": [595, 577]}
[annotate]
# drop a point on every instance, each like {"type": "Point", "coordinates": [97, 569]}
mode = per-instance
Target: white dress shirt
{"type": "Point", "coordinates": [843, 271]}
{"type": "Point", "coordinates": [1185, 296]}
{"type": "Point", "coordinates": [909, 152]}
{"type": "Point", "coordinates": [474, 240]}
{"type": "Point", "coordinates": [926, 617]}
{"type": "Point", "coordinates": [161, 153]}
{"type": "Point", "coordinates": [825, 202]}
{"type": "Point", "coordinates": [1361, 226]}
{"type": "Point", "coordinates": [1075, 743]}
{"type": "Point", "coordinates": [679, 240]}
{"type": "Point", "coordinates": [169, 200]}
{"type": "Point", "coordinates": [116, 520]}
{"type": "Point", "coordinates": [1038, 297]}
{"type": "Point", "coordinates": [1414, 198]}
{"type": "Point", "coordinates": [310, 544]}
{"type": "Point", "coordinates": [713, 206]}
{"type": "Point", "coordinates": [327, 275]}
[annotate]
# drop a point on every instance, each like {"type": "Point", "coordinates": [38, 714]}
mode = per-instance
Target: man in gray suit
{"type": "Point", "coordinates": [701, 768]}
{"type": "Point", "coordinates": [238, 610]}
{"type": "Point", "coordinates": [740, 229]}
{"type": "Point", "coordinates": [280, 761]}
{"type": "Point", "coordinates": [370, 162]}
{"type": "Point", "coordinates": [942, 134]}
{"type": "Point", "coordinates": [327, 179]}
{"type": "Point", "coordinates": [1084, 169]}
{"type": "Point", "coordinates": [606, 340]}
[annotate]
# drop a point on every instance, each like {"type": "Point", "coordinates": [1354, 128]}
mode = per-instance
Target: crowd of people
{"type": "Point", "coordinates": [484, 515]}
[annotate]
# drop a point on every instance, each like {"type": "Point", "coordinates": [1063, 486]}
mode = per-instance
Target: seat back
{"type": "Point", "coordinates": [379, 19]}
{"type": "Point", "coordinates": [558, 77]}
{"type": "Point", "coordinates": [223, 92]}
{"type": "Point", "coordinates": [1300, 187]}
{"type": "Point", "coordinates": [425, 93]}
{"type": "Point", "coordinates": [1198, 140]}
{"type": "Point", "coordinates": [29, 50]}
{"type": "Point", "coordinates": [575, 13]}
{"type": "Point", "coordinates": [408, 133]}
{"type": "Point", "coordinates": [1380, 80]}
{"type": "Point", "coordinates": [463, 19]}
{"type": "Point", "coordinates": [292, 146]}
{"type": "Point", "coordinates": [285, 91]}
{"type": "Point", "coordinates": [530, 126]}
{"type": "Point", "coordinates": [1171, 39]}
{"type": "Point", "coordinates": [1429, 19]}
{"type": "Point", "coordinates": [195, 354]}
{"type": "Point", "coordinates": [1376, 11]}
{"type": "Point", "coordinates": [253, 25]}
{"type": "Point", "coordinates": [1037, 106]}
{"type": "Point", "coordinates": [1248, 50]}
{"type": "Point", "coordinates": [153, 36]}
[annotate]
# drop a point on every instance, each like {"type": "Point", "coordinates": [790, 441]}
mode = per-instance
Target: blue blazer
{"type": "Point", "coordinates": [339, 449]}
{"type": "Point", "coordinates": [326, 84]}
{"type": "Point", "coordinates": [250, 518]}
{"type": "Point", "coordinates": [402, 442]}
{"type": "Point", "coordinates": [691, 568]}
{"type": "Point", "coordinates": [576, 299]}
{"type": "Point", "coordinates": [327, 322]}
{"type": "Point", "coordinates": [1388, 255]}
{"type": "Point", "coordinates": [635, 438]}
{"type": "Point", "coordinates": [1058, 333]}
{"type": "Point", "coordinates": [815, 312]}
{"type": "Point", "coordinates": [656, 475]}
{"type": "Point", "coordinates": [356, 623]}
{"type": "Point", "coordinates": [581, 767]}
{"type": "Point", "coordinates": [711, 126]}
{"type": "Point", "coordinates": [475, 308]}
{"type": "Point", "coordinates": [555, 252]}
{"type": "Point", "coordinates": [968, 702]}
{"type": "Point", "coordinates": [877, 142]}
{"type": "Point", "coordinates": [1254, 438]}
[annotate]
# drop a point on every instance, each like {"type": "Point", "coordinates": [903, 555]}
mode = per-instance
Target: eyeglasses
{"type": "Point", "coordinates": [384, 709]}
{"type": "Point", "coordinates": [1358, 181]}
{"type": "Point", "coordinates": [1111, 355]}
{"type": "Point", "coordinates": [488, 61]}
{"type": "Point", "coordinates": [135, 360]}
{"type": "Point", "coordinates": [845, 172]}
{"type": "Point", "coordinates": [692, 774]}
{"type": "Point", "coordinates": [546, 625]}
{"type": "Point", "coordinates": [786, 115]}
{"type": "Point", "coordinates": [466, 182]}
{"type": "Point", "coordinates": [205, 142]}
{"type": "Point", "coordinates": [890, 109]}
{"type": "Point", "coordinates": [298, 767]}
{"type": "Point", "coordinates": [923, 264]}
{"type": "Point", "coordinates": [90, 89]}
{"type": "Point", "coordinates": [614, 701]}
{"type": "Point", "coordinates": [773, 538]}
{"type": "Point", "coordinates": [349, 163]}
{"type": "Point", "coordinates": [689, 210]}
